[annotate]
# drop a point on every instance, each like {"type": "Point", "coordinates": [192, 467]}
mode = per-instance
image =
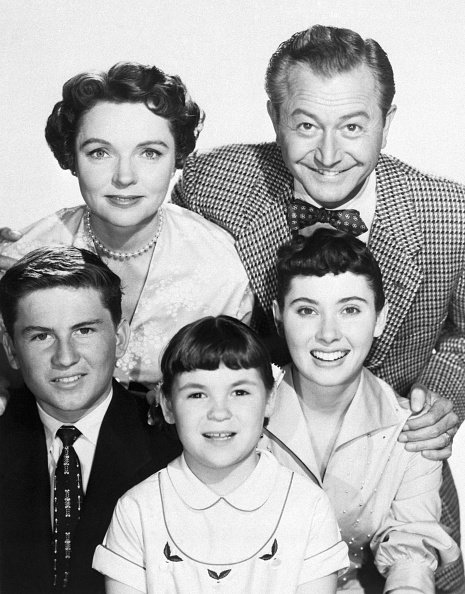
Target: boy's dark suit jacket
{"type": "Point", "coordinates": [128, 451]}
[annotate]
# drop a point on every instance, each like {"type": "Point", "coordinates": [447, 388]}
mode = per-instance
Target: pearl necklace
{"type": "Point", "coordinates": [124, 255]}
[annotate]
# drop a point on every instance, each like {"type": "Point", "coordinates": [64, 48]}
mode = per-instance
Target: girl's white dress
{"type": "Point", "coordinates": [171, 533]}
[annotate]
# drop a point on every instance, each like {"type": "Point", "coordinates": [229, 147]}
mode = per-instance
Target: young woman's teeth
{"type": "Point", "coordinates": [334, 356]}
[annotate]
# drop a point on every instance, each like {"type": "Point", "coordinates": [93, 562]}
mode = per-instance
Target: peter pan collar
{"type": "Point", "coordinates": [249, 496]}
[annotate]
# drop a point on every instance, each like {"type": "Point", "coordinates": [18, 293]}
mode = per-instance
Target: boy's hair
{"type": "Point", "coordinates": [63, 266]}
{"type": "Point", "coordinates": [210, 341]}
{"type": "Point", "coordinates": [327, 251]}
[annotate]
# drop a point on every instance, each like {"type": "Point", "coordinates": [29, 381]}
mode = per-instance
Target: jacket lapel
{"type": "Point", "coordinates": [266, 226]}
{"type": "Point", "coordinates": [26, 532]}
{"type": "Point", "coordinates": [395, 241]}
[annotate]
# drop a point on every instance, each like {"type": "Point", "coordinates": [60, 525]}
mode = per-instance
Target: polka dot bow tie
{"type": "Point", "coordinates": [301, 214]}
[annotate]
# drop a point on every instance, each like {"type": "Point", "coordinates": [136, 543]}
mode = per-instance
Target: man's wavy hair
{"type": "Point", "coordinates": [328, 51]}
{"type": "Point", "coordinates": [62, 267]}
{"type": "Point", "coordinates": [327, 251]}
{"type": "Point", "coordinates": [125, 82]}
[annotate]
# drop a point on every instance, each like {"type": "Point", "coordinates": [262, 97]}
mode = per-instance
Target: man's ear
{"type": "Point", "coordinates": [274, 116]}
{"type": "Point", "coordinates": [387, 124]}
{"type": "Point", "coordinates": [167, 408]}
{"type": "Point", "coordinates": [10, 351]}
{"type": "Point", "coordinates": [123, 332]}
{"type": "Point", "coordinates": [381, 319]}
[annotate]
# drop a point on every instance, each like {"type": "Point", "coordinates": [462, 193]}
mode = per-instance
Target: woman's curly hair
{"type": "Point", "coordinates": [164, 95]}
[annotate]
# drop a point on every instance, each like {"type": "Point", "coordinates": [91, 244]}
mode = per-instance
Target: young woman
{"type": "Point", "coordinates": [337, 423]}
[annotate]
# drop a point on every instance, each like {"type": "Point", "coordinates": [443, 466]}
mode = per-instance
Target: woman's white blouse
{"type": "Point", "coordinates": [171, 533]}
{"type": "Point", "coordinates": [194, 272]}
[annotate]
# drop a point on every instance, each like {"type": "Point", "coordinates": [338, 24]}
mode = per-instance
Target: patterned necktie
{"type": "Point", "coordinates": [67, 500]}
{"type": "Point", "coordinates": [300, 214]}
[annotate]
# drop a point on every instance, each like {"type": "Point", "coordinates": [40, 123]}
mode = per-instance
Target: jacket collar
{"type": "Point", "coordinates": [249, 496]}
{"type": "Point", "coordinates": [374, 407]}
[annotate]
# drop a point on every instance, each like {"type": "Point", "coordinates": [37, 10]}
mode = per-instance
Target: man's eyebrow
{"type": "Point", "coordinates": [353, 114]}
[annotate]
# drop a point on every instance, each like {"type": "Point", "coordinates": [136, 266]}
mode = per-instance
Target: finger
{"type": "Point", "coordinates": [438, 443]}
{"type": "Point", "coordinates": [10, 234]}
{"type": "Point", "coordinates": [438, 454]}
{"type": "Point", "coordinates": [440, 410]}
{"type": "Point", "coordinates": [6, 262]}
{"type": "Point", "coordinates": [426, 433]}
{"type": "Point", "coordinates": [418, 398]}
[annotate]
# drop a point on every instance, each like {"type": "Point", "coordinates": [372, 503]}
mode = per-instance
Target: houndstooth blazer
{"type": "Point", "coordinates": [418, 238]}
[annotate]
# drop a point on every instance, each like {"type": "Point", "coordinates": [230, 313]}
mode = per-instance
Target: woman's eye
{"type": "Point", "coordinates": [151, 153]}
{"type": "Point", "coordinates": [306, 311]}
{"type": "Point", "coordinates": [351, 310]}
{"type": "Point", "coordinates": [196, 395]}
{"type": "Point", "coordinates": [99, 154]}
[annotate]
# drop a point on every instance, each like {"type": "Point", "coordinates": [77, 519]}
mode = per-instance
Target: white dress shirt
{"type": "Point", "coordinates": [364, 202]}
{"type": "Point", "coordinates": [89, 426]}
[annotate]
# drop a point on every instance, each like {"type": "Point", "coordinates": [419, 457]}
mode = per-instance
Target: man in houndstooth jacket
{"type": "Point", "coordinates": [331, 106]}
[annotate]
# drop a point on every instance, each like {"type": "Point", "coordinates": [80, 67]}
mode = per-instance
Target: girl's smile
{"type": "Point", "coordinates": [219, 419]}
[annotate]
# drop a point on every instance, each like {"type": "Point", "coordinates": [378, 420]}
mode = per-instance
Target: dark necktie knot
{"type": "Point", "coordinates": [68, 434]}
{"type": "Point", "coordinates": [301, 214]}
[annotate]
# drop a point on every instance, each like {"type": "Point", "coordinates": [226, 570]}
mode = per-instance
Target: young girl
{"type": "Point", "coordinates": [223, 516]}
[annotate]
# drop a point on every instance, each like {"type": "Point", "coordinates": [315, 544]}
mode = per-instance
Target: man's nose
{"type": "Point", "coordinates": [327, 152]}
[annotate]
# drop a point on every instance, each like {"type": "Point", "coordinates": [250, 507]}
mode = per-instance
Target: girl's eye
{"type": "Point", "coordinates": [99, 154]}
{"type": "Point", "coordinates": [196, 395]}
{"type": "Point", "coordinates": [240, 393]}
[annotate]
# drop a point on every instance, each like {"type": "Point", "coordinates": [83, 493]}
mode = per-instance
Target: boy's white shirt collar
{"type": "Point", "coordinates": [89, 425]}
{"type": "Point", "coordinates": [251, 495]}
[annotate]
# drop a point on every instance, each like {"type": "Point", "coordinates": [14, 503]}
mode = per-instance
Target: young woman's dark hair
{"type": "Point", "coordinates": [327, 251]}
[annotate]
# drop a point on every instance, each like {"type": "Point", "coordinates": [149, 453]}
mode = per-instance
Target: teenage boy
{"type": "Point", "coordinates": [73, 440]}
